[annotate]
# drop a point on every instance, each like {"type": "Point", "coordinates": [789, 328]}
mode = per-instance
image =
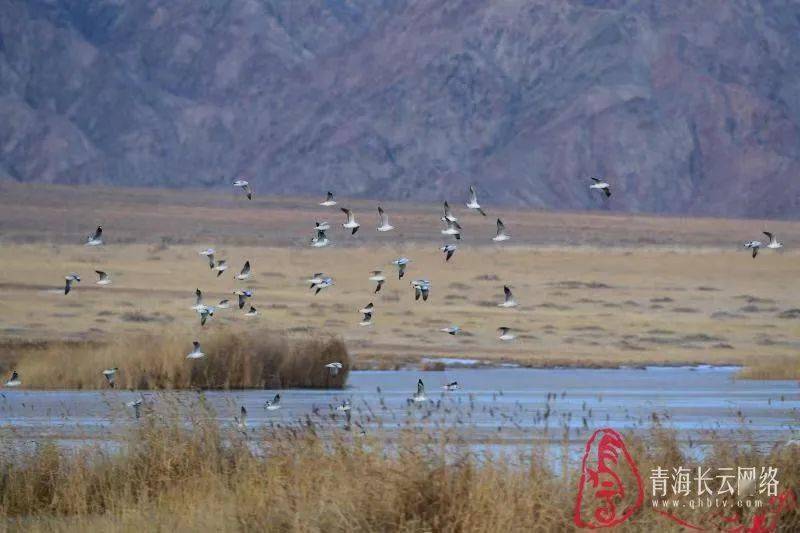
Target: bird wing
{"type": "Point", "coordinates": [420, 387]}
{"type": "Point", "coordinates": [473, 197]}
{"type": "Point", "coordinates": [769, 236]}
{"type": "Point", "coordinates": [329, 197]}
{"type": "Point", "coordinates": [246, 268]}
{"type": "Point", "coordinates": [500, 227]}
{"type": "Point", "coordinates": [67, 286]}
{"type": "Point", "coordinates": [507, 292]}
{"type": "Point", "coordinates": [384, 217]}
{"type": "Point", "coordinates": [97, 233]}
{"type": "Point", "coordinates": [596, 180]}
{"type": "Point", "coordinates": [102, 274]}
{"type": "Point", "coordinates": [350, 217]}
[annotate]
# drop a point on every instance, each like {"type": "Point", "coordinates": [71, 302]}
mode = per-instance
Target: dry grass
{"type": "Point", "coordinates": [234, 360]}
{"type": "Point", "coordinates": [787, 367]}
{"type": "Point", "coordinates": [170, 473]}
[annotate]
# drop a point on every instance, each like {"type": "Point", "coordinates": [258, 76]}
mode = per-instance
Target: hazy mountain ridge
{"type": "Point", "coordinates": [686, 107]}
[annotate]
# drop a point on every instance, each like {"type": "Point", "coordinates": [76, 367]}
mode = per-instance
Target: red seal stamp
{"type": "Point", "coordinates": [610, 488]}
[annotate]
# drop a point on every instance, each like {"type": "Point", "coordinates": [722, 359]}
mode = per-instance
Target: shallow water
{"type": "Point", "coordinates": [506, 407]}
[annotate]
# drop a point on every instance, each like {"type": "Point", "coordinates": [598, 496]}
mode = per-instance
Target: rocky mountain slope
{"type": "Point", "coordinates": [686, 106]}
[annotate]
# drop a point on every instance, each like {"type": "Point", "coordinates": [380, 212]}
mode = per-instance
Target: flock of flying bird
{"type": "Point", "coordinates": [319, 281]}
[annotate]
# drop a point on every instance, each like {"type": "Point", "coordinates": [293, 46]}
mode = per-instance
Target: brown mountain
{"type": "Point", "coordinates": [685, 106]}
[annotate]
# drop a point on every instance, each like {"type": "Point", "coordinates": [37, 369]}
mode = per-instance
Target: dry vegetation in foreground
{"type": "Point", "coordinates": [786, 367]}
{"type": "Point", "coordinates": [170, 475]}
{"type": "Point", "coordinates": [235, 359]}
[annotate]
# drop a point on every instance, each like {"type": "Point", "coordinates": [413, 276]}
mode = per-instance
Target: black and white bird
{"type": "Point", "coordinates": [110, 375]}
{"type": "Point", "coordinates": [243, 295]}
{"type": "Point", "coordinates": [324, 225]}
{"type": "Point", "coordinates": [379, 279]}
{"type": "Point", "coordinates": [334, 368]}
{"type": "Point", "coordinates": [447, 215]}
{"type": "Point", "coordinates": [252, 312]}
{"type": "Point", "coordinates": [601, 185]}
{"type": "Point", "coordinates": [509, 300]}
{"type": "Point", "coordinates": [367, 312]}
{"type": "Point", "coordinates": [320, 239]}
{"type": "Point", "coordinates": [773, 242]}
{"type": "Point", "coordinates": [449, 387]}
{"type": "Point", "coordinates": [329, 201]}
{"type": "Point", "coordinates": [344, 406]}
{"type": "Point", "coordinates": [315, 278]}
{"type": "Point", "coordinates": [198, 301]}
{"type": "Point", "coordinates": [384, 220]}
{"type": "Point", "coordinates": [504, 334]}
{"type": "Point", "coordinates": [324, 284]}
{"type": "Point", "coordinates": [205, 313]}
{"type": "Point", "coordinates": [245, 186]}
{"type": "Point", "coordinates": [419, 396]}
{"type": "Point", "coordinates": [103, 278]}
{"type": "Point", "coordinates": [401, 264]}
{"type": "Point", "coordinates": [209, 254]}
{"type": "Point", "coordinates": [96, 238]}
{"type": "Point", "coordinates": [448, 250]}
{"type": "Point", "coordinates": [452, 228]}
{"type": "Point", "coordinates": [422, 288]}
{"type": "Point", "coordinates": [350, 223]}
{"type": "Point", "coordinates": [197, 352]}
{"type": "Point", "coordinates": [136, 405]}
{"type": "Point", "coordinates": [501, 234]}
{"type": "Point", "coordinates": [452, 330]}
{"type": "Point", "coordinates": [224, 304]}
{"type": "Point", "coordinates": [753, 245]}
{"type": "Point", "coordinates": [241, 420]}
{"type": "Point", "coordinates": [14, 380]}
{"type": "Point", "coordinates": [274, 404]}
{"type": "Point", "coordinates": [245, 272]}
{"type": "Point", "coordinates": [222, 266]}
{"type": "Point", "coordinates": [473, 201]}
{"type": "Point", "coordinates": [70, 278]}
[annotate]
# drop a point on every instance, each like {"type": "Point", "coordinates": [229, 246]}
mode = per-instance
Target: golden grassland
{"type": "Point", "coordinates": [594, 289]}
{"type": "Point", "coordinates": [171, 473]}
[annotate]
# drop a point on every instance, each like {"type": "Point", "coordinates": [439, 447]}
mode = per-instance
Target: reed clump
{"type": "Point", "coordinates": [234, 359]}
{"type": "Point", "coordinates": [771, 367]}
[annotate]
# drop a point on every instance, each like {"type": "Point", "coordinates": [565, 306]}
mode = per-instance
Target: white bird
{"type": "Point", "coordinates": [501, 232]}
{"type": "Point", "coordinates": [452, 228]}
{"type": "Point", "coordinates": [324, 284]}
{"type": "Point", "coordinates": [243, 296]}
{"type": "Point", "coordinates": [245, 186]}
{"type": "Point", "coordinates": [324, 226]}
{"type": "Point", "coordinates": [422, 288]}
{"type": "Point", "coordinates": [351, 223]}
{"type": "Point", "coordinates": [252, 312]}
{"type": "Point", "coordinates": [245, 272]}
{"type": "Point", "coordinates": [196, 352]}
{"type": "Point", "coordinates": [601, 185]}
{"type": "Point", "coordinates": [14, 380]}
{"type": "Point", "coordinates": [274, 404]}
{"type": "Point", "coordinates": [449, 387]}
{"type": "Point", "coordinates": [384, 219]}
{"type": "Point", "coordinates": [205, 313]}
{"type": "Point", "coordinates": [378, 277]}
{"type": "Point", "coordinates": [96, 238]}
{"type": "Point", "coordinates": [419, 396]}
{"type": "Point", "coordinates": [315, 279]}
{"type": "Point", "coordinates": [70, 279]}
{"type": "Point", "coordinates": [103, 278]}
{"type": "Point", "coordinates": [334, 368]}
{"type": "Point", "coordinates": [224, 304]}
{"type": "Point", "coordinates": [401, 263]}
{"type": "Point", "coordinates": [241, 420]}
{"type": "Point", "coordinates": [329, 201]}
{"type": "Point", "coordinates": [449, 250]}
{"type": "Point", "coordinates": [452, 330]}
{"type": "Point", "coordinates": [509, 298]}
{"type": "Point", "coordinates": [367, 312]}
{"type": "Point", "coordinates": [320, 239]}
{"type": "Point", "coordinates": [505, 334]}
{"type": "Point", "coordinates": [448, 214]}
{"type": "Point", "coordinates": [198, 301]}
{"type": "Point", "coordinates": [136, 405]}
{"type": "Point", "coordinates": [473, 201]}
{"type": "Point", "coordinates": [209, 253]}
{"type": "Point", "coordinates": [222, 266]}
{"type": "Point", "coordinates": [754, 245]}
{"type": "Point", "coordinates": [110, 375]}
{"type": "Point", "coordinates": [773, 242]}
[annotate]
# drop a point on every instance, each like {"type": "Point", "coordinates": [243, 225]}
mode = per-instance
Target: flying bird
{"type": "Point", "coordinates": [110, 375]}
{"type": "Point", "coordinates": [449, 387]}
{"type": "Point", "coordinates": [320, 239]}
{"type": "Point", "coordinates": [70, 279]}
{"type": "Point", "coordinates": [384, 220]}
{"type": "Point", "coordinates": [334, 368]}
{"type": "Point", "coordinates": [245, 186]}
{"type": "Point", "coordinates": [241, 420]}
{"type": "Point", "coordinates": [452, 330]}
{"type": "Point", "coordinates": [448, 214]}
{"type": "Point", "coordinates": [401, 263]}
{"type": "Point", "coordinates": [324, 225]}
{"type": "Point", "coordinates": [504, 334]}
{"type": "Point", "coordinates": [449, 250]}
{"type": "Point", "coordinates": [252, 312]}
{"type": "Point", "coordinates": [473, 201]}
{"type": "Point", "coordinates": [324, 284]}
{"type": "Point", "coordinates": [136, 405]}
{"type": "Point", "coordinates": [96, 238]}
{"type": "Point", "coordinates": [205, 313]}
{"type": "Point", "coordinates": [315, 279]}
{"type": "Point", "coordinates": [243, 296]}
{"type": "Point", "coordinates": [509, 298]}
{"type": "Point", "coordinates": [421, 288]}
{"type": "Point", "coordinates": [378, 277]}
{"type": "Point", "coordinates": [501, 234]}
{"type": "Point", "coordinates": [209, 253]}
{"type": "Point", "coordinates": [419, 396]}
{"type": "Point", "coordinates": [222, 266]}
{"type": "Point", "coordinates": [196, 352]}
{"type": "Point", "coordinates": [452, 228]}
{"type": "Point", "coordinates": [103, 278]}
{"type": "Point", "coordinates": [224, 304]}
{"type": "Point", "coordinates": [773, 242]}
{"type": "Point", "coordinates": [351, 223]}
{"type": "Point", "coordinates": [14, 380]}
{"type": "Point", "coordinates": [198, 301]}
{"type": "Point", "coordinates": [245, 272]}
{"type": "Point", "coordinates": [367, 312]}
{"type": "Point", "coordinates": [329, 201]}
{"type": "Point", "coordinates": [601, 185]}
{"type": "Point", "coordinates": [274, 404]}
{"type": "Point", "coordinates": [754, 245]}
